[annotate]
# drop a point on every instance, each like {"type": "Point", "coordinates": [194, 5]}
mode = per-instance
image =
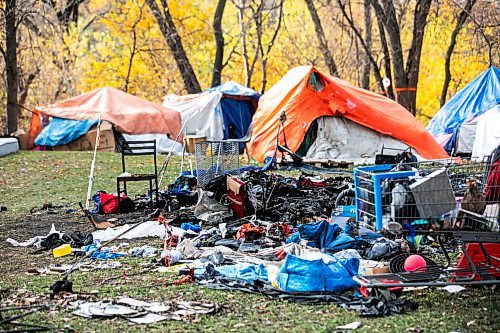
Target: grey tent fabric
{"type": "Point", "coordinates": [341, 139]}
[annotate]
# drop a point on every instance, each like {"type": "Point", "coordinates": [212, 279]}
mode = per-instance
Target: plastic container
{"type": "Point", "coordinates": [61, 251]}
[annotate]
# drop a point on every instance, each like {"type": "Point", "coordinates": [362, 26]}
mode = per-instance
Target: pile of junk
{"type": "Point", "coordinates": [357, 238]}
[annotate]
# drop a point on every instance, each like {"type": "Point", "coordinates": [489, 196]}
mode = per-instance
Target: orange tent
{"type": "Point", "coordinates": [130, 114]}
{"type": "Point", "coordinates": [304, 97]}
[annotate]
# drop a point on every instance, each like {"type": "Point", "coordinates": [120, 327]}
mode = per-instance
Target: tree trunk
{"type": "Point", "coordinates": [25, 86]}
{"type": "Point", "coordinates": [11, 65]}
{"type": "Point", "coordinates": [462, 18]}
{"type": "Point", "coordinates": [320, 34]}
{"type": "Point", "coordinates": [387, 59]}
{"type": "Point", "coordinates": [365, 79]}
{"type": "Point", "coordinates": [264, 53]}
{"type": "Point", "coordinates": [219, 43]}
{"type": "Point", "coordinates": [357, 33]}
{"type": "Point", "coordinates": [169, 32]}
{"type": "Point", "coordinates": [131, 59]}
{"type": "Point", "coordinates": [387, 15]}
{"type": "Point", "coordinates": [409, 95]}
{"type": "Point", "coordinates": [243, 33]}
{"type": "Point", "coordinates": [405, 80]}
{"type": "Point", "coordinates": [133, 49]}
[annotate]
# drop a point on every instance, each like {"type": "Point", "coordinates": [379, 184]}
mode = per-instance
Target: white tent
{"type": "Point", "coordinates": [201, 113]}
{"type": "Point", "coordinates": [481, 135]}
{"type": "Point", "coordinates": [341, 139]}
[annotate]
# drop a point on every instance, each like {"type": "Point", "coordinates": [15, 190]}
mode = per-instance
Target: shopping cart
{"type": "Point", "coordinates": [447, 200]}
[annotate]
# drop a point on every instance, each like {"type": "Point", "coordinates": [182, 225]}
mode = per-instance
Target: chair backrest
{"type": "Point", "coordinates": [137, 148]}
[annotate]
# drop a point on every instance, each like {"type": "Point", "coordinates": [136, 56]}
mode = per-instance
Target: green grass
{"type": "Point", "coordinates": [30, 179]}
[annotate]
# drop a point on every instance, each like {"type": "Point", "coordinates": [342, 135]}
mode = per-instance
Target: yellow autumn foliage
{"type": "Point", "coordinates": [97, 50]}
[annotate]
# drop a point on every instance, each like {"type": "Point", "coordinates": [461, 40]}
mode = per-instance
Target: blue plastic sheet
{"type": "Point", "coordinates": [102, 253]}
{"type": "Point", "coordinates": [190, 226]}
{"type": "Point", "coordinates": [472, 101]}
{"type": "Point", "coordinates": [236, 112]}
{"type": "Point", "coordinates": [237, 115]}
{"type": "Point", "coordinates": [246, 271]}
{"type": "Point", "coordinates": [303, 275]}
{"type": "Point", "coordinates": [236, 89]}
{"type": "Point", "coordinates": [323, 235]}
{"type": "Point", "coordinates": [62, 131]}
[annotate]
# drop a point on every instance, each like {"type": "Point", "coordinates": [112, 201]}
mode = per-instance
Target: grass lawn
{"type": "Point", "coordinates": [31, 179]}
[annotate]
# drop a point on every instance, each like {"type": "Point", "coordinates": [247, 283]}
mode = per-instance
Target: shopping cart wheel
{"type": "Point", "coordinates": [490, 287]}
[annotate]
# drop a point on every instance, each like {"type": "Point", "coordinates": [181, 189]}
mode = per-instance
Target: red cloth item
{"type": "Point", "coordinates": [492, 193]}
{"type": "Point", "coordinates": [248, 231]}
{"type": "Point", "coordinates": [284, 229]}
{"type": "Point", "coordinates": [311, 184]}
{"type": "Point", "coordinates": [236, 194]}
{"type": "Point", "coordinates": [109, 202]}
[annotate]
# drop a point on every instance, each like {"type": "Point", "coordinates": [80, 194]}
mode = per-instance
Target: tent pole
{"type": "Point", "coordinates": [92, 166]}
{"type": "Point", "coordinates": [184, 143]}
{"type": "Point", "coordinates": [167, 159]}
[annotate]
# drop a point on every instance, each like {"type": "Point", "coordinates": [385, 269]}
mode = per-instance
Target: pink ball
{"type": "Point", "coordinates": [415, 263]}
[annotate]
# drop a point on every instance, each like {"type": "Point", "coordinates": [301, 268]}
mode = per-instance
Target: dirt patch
{"type": "Point", "coordinates": [18, 260]}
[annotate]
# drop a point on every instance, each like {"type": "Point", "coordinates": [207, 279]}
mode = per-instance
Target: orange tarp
{"type": "Point", "coordinates": [130, 114]}
{"type": "Point", "coordinates": [295, 95]}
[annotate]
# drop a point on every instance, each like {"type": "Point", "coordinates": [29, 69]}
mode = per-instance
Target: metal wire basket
{"type": "Point", "coordinates": [215, 158]}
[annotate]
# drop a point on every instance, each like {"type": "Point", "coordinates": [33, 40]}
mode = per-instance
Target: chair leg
{"type": "Point", "coordinates": [118, 192]}
{"type": "Point", "coordinates": [125, 188]}
{"type": "Point", "coordinates": [151, 192]}
{"type": "Point", "coordinates": [156, 189]}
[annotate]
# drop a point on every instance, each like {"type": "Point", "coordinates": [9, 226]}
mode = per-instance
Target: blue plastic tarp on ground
{"type": "Point", "coordinates": [472, 101]}
{"type": "Point", "coordinates": [298, 274]}
{"type": "Point", "coordinates": [62, 131]}
{"type": "Point", "coordinates": [246, 271]}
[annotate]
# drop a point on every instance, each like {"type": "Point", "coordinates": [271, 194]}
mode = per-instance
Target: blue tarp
{"type": "Point", "coordinates": [304, 275]}
{"type": "Point", "coordinates": [472, 101]}
{"type": "Point", "coordinates": [236, 112]}
{"type": "Point", "coordinates": [323, 235]}
{"type": "Point", "coordinates": [62, 131]}
{"type": "Point", "coordinates": [236, 89]}
{"type": "Point", "coordinates": [246, 271]}
{"type": "Point", "coordinates": [237, 115]}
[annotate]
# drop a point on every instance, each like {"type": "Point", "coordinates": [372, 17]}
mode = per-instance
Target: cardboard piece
{"type": "Point", "coordinates": [191, 141]}
{"type": "Point", "coordinates": [23, 141]}
{"type": "Point", "coordinates": [377, 270]}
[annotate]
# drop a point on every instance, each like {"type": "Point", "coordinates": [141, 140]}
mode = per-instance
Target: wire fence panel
{"type": "Point", "coordinates": [216, 158]}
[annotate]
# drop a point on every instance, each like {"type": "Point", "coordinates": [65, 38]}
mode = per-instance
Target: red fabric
{"type": "Point", "coordinates": [477, 256]}
{"type": "Point", "coordinates": [492, 193]}
{"type": "Point", "coordinates": [109, 203]}
{"type": "Point", "coordinates": [248, 231]}
{"type": "Point", "coordinates": [311, 184]}
{"type": "Point", "coordinates": [35, 128]}
{"type": "Point", "coordinates": [284, 229]}
{"type": "Point", "coordinates": [237, 198]}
